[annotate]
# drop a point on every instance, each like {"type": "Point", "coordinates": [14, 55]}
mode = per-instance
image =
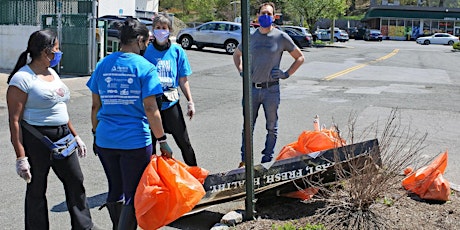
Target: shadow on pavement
{"type": "Point", "coordinates": [94, 201]}
{"type": "Point", "coordinates": [200, 220]}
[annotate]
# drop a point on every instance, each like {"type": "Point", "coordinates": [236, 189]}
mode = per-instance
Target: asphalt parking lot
{"type": "Point", "coordinates": [422, 81]}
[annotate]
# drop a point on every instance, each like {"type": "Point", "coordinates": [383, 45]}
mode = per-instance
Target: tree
{"type": "Point", "coordinates": [309, 11]}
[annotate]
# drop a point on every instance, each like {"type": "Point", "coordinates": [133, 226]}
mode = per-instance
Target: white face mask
{"type": "Point", "coordinates": [161, 35]}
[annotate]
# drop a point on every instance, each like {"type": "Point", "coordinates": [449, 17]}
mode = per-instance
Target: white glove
{"type": "Point", "coordinates": [191, 109]}
{"type": "Point", "coordinates": [23, 169]}
{"type": "Point", "coordinates": [81, 147]}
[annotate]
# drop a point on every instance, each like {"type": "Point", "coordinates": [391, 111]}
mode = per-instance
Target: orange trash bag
{"type": "Point", "coordinates": [168, 189]}
{"type": "Point", "coordinates": [303, 194]}
{"type": "Point", "coordinates": [311, 141]}
{"type": "Point", "coordinates": [428, 182]}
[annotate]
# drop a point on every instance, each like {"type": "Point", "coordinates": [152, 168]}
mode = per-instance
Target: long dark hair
{"type": "Point", "coordinates": [38, 41]}
{"type": "Point", "coordinates": [131, 29]}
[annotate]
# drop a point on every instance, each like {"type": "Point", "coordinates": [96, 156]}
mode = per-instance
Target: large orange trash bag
{"type": "Point", "coordinates": [428, 182]}
{"type": "Point", "coordinates": [168, 189]}
{"type": "Point", "coordinates": [311, 141]}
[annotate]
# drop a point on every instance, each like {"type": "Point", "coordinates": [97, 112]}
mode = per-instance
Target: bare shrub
{"type": "Point", "coordinates": [362, 181]}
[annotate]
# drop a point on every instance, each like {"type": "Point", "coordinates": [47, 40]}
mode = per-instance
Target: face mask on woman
{"type": "Point", "coordinates": [56, 59]}
{"type": "Point", "coordinates": [161, 35]}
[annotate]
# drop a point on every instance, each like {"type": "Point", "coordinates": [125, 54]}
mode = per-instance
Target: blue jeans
{"type": "Point", "coordinates": [269, 98]}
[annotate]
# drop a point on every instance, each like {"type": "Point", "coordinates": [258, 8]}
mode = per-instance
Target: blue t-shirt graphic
{"type": "Point", "coordinates": [171, 64]}
{"type": "Point", "coordinates": [123, 80]}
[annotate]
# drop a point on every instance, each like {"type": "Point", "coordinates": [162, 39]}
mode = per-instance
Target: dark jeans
{"type": "Point", "coordinates": [174, 124]}
{"type": "Point", "coordinates": [69, 173]}
{"type": "Point", "coordinates": [124, 169]}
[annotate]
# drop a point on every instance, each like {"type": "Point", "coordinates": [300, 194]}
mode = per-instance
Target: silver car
{"type": "Point", "coordinates": [218, 34]}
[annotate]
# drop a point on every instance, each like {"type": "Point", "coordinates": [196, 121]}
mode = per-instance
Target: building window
{"type": "Point", "coordinates": [434, 26]}
{"type": "Point", "coordinates": [426, 27]}
{"type": "Point", "coordinates": [384, 27]}
{"type": "Point", "coordinates": [416, 29]}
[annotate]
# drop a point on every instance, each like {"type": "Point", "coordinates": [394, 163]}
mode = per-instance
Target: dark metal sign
{"type": "Point", "coordinates": [223, 187]}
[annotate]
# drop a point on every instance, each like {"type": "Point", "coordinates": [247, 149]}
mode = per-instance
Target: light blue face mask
{"type": "Point", "coordinates": [56, 59]}
{"type": "Point", "coordinates": [161, 35]}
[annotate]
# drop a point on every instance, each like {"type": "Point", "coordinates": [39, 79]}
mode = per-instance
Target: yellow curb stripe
{"type": "Point", "coordinates": [343, 72]}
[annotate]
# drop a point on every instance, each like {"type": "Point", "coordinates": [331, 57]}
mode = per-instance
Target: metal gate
{"type": "Point", "coordinates": [73, 20]}
{"type": "Point", "coordinates": [74, 33]}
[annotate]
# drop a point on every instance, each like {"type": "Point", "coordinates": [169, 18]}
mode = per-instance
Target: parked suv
{"type": "Point", "coordinates": [219, 34]}
{"type": "Point", "coordinates": [113, 33]}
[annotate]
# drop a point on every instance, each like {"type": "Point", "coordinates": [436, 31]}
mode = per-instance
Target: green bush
{"type": "Point", "coordinates": [456, 46]}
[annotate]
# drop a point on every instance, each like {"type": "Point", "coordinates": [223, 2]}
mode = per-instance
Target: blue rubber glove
{"type": "Point", "coordinates": [165, 149]}
{"type": "Point", "coordinates": [278, 74]}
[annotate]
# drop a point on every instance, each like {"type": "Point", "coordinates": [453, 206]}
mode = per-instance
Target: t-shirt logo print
{"type": "Point", "coordinates": [60, 92]}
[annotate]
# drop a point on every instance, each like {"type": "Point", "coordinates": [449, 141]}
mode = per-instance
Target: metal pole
{"type": "Point", "coordinates": [247, 98]}
{"type": "Point", "coordinates": [59, 29]}
{"type": "Point", "coordinates": [92, 44]}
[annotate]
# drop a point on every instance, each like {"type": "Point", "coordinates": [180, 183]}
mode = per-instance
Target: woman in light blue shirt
{"type": "Point", "coordinates": [37, 96]}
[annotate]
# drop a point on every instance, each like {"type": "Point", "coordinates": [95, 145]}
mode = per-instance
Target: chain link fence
{"type": "Point", "coordinates": [29, 12]}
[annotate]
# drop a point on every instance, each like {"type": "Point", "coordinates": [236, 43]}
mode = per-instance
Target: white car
{"type": "Point", "coordinates": [438, 38]}
{"type": "Point", "coordinates": [339, 35]}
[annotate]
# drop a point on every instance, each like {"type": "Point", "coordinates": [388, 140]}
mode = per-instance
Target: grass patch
{"type": "Point", "coordinates": [291, 226]}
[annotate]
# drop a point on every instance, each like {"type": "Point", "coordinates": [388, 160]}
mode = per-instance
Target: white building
{"type": "Point", "coordinates": [136, 8]}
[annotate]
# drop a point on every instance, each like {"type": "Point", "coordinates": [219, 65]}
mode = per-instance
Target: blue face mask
{"type": "Point", "coordinates": [265, 20]}
{"type": "Point", "coordinates": [56, 59]}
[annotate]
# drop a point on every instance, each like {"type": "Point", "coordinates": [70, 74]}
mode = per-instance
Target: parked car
{"type": "Point", "coordinates": [113, 29]}
{"type": "Point", "coordinates": [113, 33]}
{"type": "Point", "coordinates": [438, 38]}
{"type": "Point", "coordinates": [304, 31]}
{"type": "Point", "coordinates": [318, 34]}
{"type": "Point", "coordinates": [352, 31]}
{"type": "Point", "coordinates": [339, 35]}
{"type": "Point", "coordinates": [356, 33]}
{"type": "Point", "coordinates": [218, 34]}
{"type": "Point", "coordinates": [373, 35]}
{"type": "Point", "coordinates": [299, 39]}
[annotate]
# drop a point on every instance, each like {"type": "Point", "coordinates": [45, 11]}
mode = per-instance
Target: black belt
{"type": "Point", "coordinates": [264, 85]}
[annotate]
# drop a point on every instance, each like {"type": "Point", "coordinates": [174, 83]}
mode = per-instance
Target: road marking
{"type": "Point", "coordinates": [343, 72]}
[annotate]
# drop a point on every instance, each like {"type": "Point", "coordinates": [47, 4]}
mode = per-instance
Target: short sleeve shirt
{"type": "Point", "coordinates": [172, 64]}
{"type": "Point", "coordinates": [265, 52]}
{"type": "Point", "coordinates": [46, 101]}
{"type": "Point", "coordinates": [123, 80]}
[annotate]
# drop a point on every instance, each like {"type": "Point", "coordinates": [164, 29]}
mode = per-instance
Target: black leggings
{"type": "Point", "coordinates": [69, 173]}
{"type": "Point", "coordinates": [174, 124]}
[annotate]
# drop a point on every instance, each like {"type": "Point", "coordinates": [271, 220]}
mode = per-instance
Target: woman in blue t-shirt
{"type": "Point", "coordinates": [173, 70]}
{"type": "Point", "coordinates": [124, 89]}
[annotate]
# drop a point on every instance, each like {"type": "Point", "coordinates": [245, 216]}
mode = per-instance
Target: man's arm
{"type": "Point", "coordinates": [237, 60]}
{"type": "Point", "coordinates": [298, 60]}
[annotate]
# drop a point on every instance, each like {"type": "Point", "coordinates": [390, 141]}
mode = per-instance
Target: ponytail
{"type": "Point", "coordinates": [22, 61]}
{"type": "Point", "coordinates": [38, 41]}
